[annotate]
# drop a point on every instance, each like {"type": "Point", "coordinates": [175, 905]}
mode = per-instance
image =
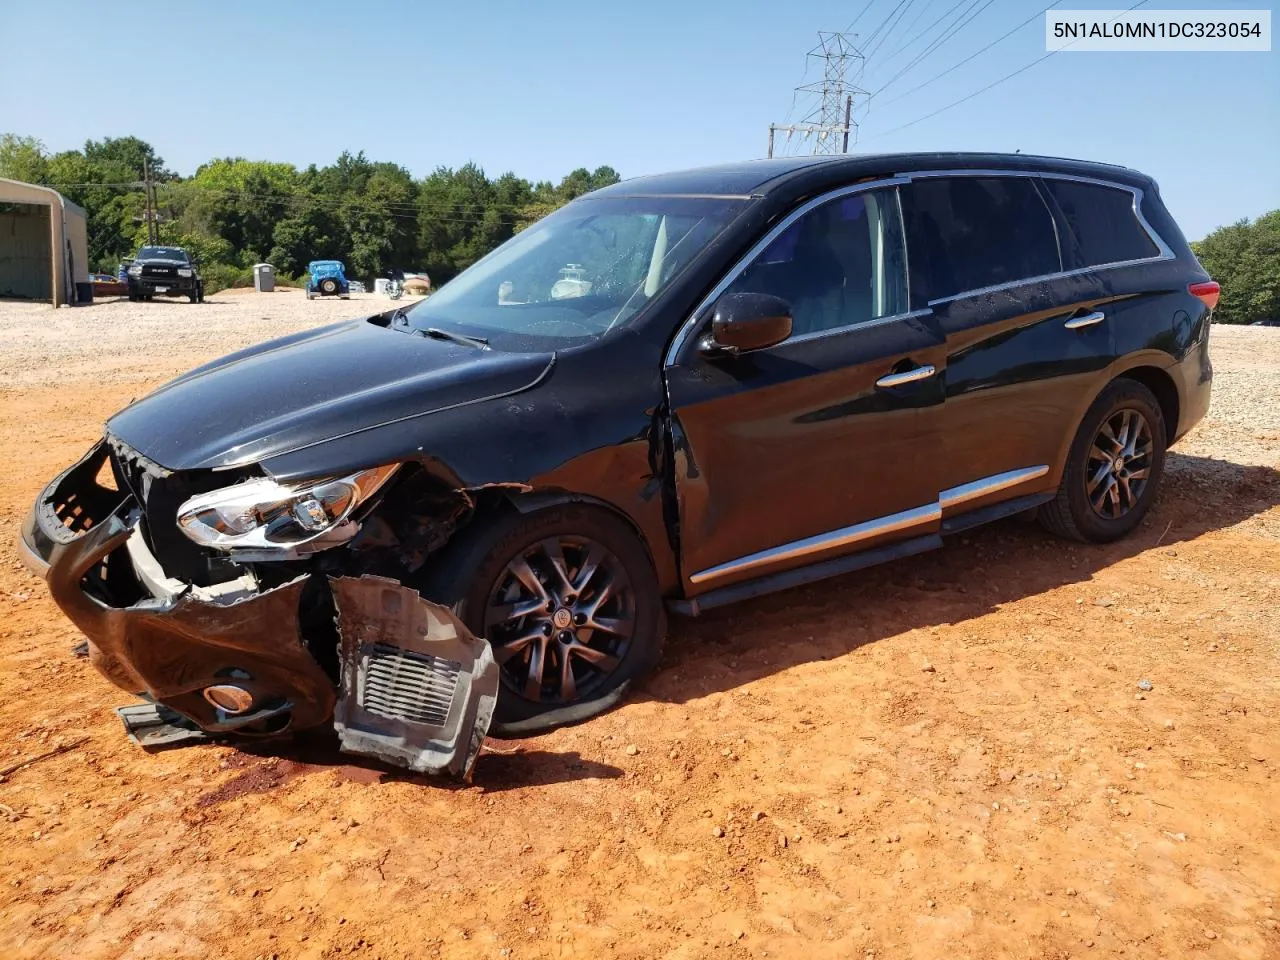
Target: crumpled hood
{"type": "Point", "coordinates": [311, 387]}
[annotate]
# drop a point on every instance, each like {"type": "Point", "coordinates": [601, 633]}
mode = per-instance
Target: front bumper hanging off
{"type": "Point", "coordinates": [415, 687]}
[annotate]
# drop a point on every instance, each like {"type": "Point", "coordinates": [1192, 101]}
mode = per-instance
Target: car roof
{"type": "Point", "coordinates": [758, 177]}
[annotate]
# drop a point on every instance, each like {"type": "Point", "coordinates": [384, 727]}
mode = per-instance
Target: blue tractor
{"type": "Point", "coordinates": [328, 279]}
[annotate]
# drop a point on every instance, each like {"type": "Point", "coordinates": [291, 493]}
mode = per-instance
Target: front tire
{"type": "Point", "coordinates": [1113, 469]}
{"type": "Point", "coordinates": [567, 598]}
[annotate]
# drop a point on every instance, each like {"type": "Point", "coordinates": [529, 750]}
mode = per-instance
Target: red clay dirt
{"type": "Point", "coordinates": [947, 757]}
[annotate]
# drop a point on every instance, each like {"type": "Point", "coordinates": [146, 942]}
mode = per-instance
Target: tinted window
{"type": "Point", "coordinates": [967, 233]}
{"type": "Point", "coordinates": [840, 264]}
{"type": "Point", "coordinates": [1103, 222]}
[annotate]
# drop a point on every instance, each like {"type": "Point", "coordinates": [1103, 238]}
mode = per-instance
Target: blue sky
{"type": "Point", "coordinates": [541, 88]}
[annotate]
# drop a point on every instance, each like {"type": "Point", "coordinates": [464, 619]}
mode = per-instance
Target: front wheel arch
{"type": "Point", "coordinates": [460, 575]}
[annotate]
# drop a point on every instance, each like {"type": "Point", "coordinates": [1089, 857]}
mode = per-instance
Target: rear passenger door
{"type": "Point", "coordinates": [1025, 348]}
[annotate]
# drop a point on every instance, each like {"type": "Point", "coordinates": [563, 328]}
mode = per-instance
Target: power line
{"type": "Point", "coordinates": [942, 16]}
{"type": "Point", "coordinates": [893, 26]}
{"type": "Point", "coordinates": [877, 30]}
{"type": "Point", "coordinates": [995, 83]}
{"type": "Point", "coordinates": [963, 20]}
{"type": "Point", "coordinates": [1003, 36]}
{"type": "Point", "coordinates": [861, 13]}
{"type": "Point", "coordinates": [911, 26]}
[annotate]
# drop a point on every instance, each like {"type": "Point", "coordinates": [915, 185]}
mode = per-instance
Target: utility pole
{"type": "Point", "coordinates": [150, 214]}
{"type": "Point", "coordinates": [825, 125]}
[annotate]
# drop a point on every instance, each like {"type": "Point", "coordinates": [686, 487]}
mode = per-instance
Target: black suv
{"type": "Point", "coordinates": [164, 271]}
{"type": "Point", "coordinates": [671, 394]}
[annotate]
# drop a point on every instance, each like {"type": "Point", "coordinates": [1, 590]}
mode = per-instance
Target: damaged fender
{"type": "Point", "coordinates": [417, 689]}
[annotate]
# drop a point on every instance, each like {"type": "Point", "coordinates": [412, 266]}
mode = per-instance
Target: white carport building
{"type": "Point", "coordinates": [44, 245]}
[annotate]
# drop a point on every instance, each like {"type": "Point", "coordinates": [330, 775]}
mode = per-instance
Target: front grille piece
{"type": "Point", "coordinates": [411, 687]}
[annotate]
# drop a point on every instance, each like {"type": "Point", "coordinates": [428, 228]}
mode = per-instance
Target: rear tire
{"type": "Point", "coordinates": [473, 575]}
{"type": "Point", "coordinates": [1113, 469]}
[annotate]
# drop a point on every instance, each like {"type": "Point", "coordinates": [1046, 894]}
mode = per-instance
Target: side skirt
{"type": "Point", "coordinates": [802, 575]}
{"type": "Point", "coordinates": [856, 561]}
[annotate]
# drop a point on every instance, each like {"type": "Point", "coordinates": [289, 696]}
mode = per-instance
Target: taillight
{"type": "Point", "coordinates": [1206, 291]}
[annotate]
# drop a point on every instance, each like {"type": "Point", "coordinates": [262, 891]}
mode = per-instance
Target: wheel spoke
{"type": "Point", "coordinates": [537, 663]}
{"type": "Point", "coordinates": [1097, 453]}
{"type": "Point", "coordinates": [505, 612]}
{"type": "Point", "coordinates": [1103, 473]}
{"type": "Point", "coordinates": [1113, 499]}
{"type": "Point", "coordinates": [615, 625]}
{"type": "Point", "coordinates": [595, 556]}
{"type": "Point", "coordinates": [1125, 494]}
{"type": "Point", "coordinates": [1099, 498]}
{"type": "Point", "coordinates": [598, 658]}
{"type": "Point", "coordinates": [597, 601]}
{"type": "Point", "coordinates": [520, 568]}
{"type": "Point", "coordinates": [505, 651]}
{"type": "Point", "coordinates": [1126, 421]}
{"type": "Point", "coordinates": [568, 686]}
{"type": "Point", "coordinates": [1108, 434]}
{"type": "Point", "coordinates": [552, 550]}
{"type": "Point", "coordinates": [1140, 474]}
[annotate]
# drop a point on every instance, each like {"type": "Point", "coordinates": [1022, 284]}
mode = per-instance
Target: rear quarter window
{"type": "Point", "coordinates": [1102, 222]}
{"type": "Point", "coordinates": [969, 233]}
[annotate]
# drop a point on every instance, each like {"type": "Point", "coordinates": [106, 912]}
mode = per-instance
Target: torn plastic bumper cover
{"type": "Point", "coordinates": [418, 689]}
{"type": "Point", "coordinates": [415, 687]}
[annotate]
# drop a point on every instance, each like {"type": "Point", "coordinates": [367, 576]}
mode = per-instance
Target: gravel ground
{"type": "Point", "coordinates": [115, 340]}
{"type": "Point", "coordinates": [1012, 747]}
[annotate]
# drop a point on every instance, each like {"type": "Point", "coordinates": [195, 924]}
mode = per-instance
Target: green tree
{"type": "Point", "coordinates": [1245, 258]}
{"type": "Point", "coordinates": [128, 154]}
{"type": "Point", "coordinates": [23, 158]}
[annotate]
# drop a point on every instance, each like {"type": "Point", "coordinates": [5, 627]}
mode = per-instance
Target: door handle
{"type": "Point", "coordinates": [906, 376]}
{"type": "Point", "coordinates": [1088, 320]}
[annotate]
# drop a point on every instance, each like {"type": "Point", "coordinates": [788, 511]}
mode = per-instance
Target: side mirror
{"type": "Point", "coordinates": [748, 321]}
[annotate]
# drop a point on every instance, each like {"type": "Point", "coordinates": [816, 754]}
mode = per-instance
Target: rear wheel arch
{"type": "Point", "coordinates": [1166, 392]}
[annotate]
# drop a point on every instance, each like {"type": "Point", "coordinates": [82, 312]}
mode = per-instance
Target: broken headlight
{"type": "Point", "coordinates": [264, 514]}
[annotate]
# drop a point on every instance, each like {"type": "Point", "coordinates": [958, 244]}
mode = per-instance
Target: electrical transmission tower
{"type": "Point", "coordinates": [829, 124]}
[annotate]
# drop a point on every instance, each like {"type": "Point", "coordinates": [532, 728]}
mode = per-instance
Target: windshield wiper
{"type": "Point", "coordinates": [438, 334]}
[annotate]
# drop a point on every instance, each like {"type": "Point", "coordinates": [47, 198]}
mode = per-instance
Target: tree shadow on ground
{"type": "Point", "coordinates": [976, 572]}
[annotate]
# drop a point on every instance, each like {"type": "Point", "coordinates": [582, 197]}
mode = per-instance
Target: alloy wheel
{"type": "Point", "coordinates": [560, 619]}
{"type": "Point", "coordinates": [1119, 463]}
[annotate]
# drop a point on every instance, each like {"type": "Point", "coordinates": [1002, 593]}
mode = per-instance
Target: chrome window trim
{"type": "Point", "coordinates": [848, 327]}
{"type": "Point", "coordinates": [894, 522]}
{"type": "Point", "coordinates": [698, 313]}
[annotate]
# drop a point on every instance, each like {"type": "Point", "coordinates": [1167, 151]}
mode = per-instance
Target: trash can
{"type": "Point", "coordinates": [264, 277]}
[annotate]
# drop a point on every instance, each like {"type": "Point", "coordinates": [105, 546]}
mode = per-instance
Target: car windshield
{"type": "Point", "coordinates": [577, 274]}
{"type": "Point", "coordinates": [162, 253]}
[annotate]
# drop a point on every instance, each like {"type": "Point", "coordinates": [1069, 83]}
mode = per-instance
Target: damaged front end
{"type": "Point", "coordinates": [234, 652]}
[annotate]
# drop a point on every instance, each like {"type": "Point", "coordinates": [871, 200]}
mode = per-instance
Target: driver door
{"type": "Point", "coordinates": [826, 443]}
